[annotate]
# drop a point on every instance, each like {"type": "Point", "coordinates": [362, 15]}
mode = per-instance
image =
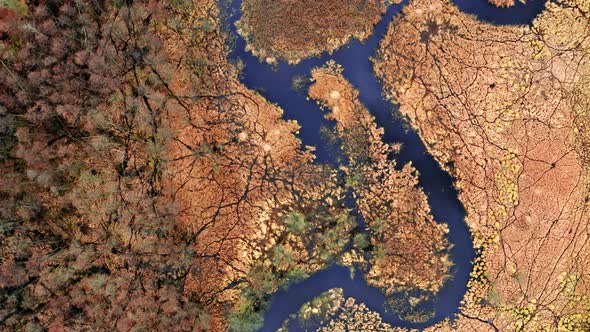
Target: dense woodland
{"type": "Point", "coordinates": [87, 240]}
{"type": "Point", "coordinates": [143, 187]}
{"type": "Point", "coordinates": [135, 170]}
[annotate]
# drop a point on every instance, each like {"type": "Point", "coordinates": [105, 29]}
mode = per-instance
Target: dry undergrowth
{"type": "Point", "coordinates": [238, 175]}
{"type": "Point", "coordinates": [409, 247]}
{"type": "Point", "coordinates": [504, 110]}
{"type": "Point", "coordinates": [502, 3]}
{"type": "Point", "coordinates": [336, 313]}
{"type": "Point", "coordinates": [295, 30]}
{"type": "Point", "coordinates": [143, 186]}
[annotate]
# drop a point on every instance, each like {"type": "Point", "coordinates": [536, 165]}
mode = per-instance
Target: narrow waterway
{"type": "Point", "coordinates": [275, 85]}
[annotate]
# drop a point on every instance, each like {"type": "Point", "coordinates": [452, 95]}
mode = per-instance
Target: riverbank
{"type": "Point", "coordinates": [275, 85]}
{"type": "Point", "coordinates": [501, 108]}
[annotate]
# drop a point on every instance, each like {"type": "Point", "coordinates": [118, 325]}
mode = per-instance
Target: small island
{"type": "Point", "coordinates": [331, 311]}
{"type": "Point", "coordinates": [503, 3]}
{"type": "Point", "coordinates": [295, 30]}
{"type": "Point", "coordinates": [406, 251]}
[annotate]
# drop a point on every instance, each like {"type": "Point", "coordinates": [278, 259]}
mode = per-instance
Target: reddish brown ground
{"type": "Point", "coordinates": [295, 30]}
{"type": "Point", "coordinates": [143, 186]}
{"type": "Point", "coordinates": [236, 168]}
{"type": "Point", "coordinates": [504, 110]}
{"type": "Point", "coordinates": [410, 247]}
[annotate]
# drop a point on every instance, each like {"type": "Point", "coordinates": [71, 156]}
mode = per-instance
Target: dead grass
{"type": "Point", "coordinates": [494, 105]}
{"type": "Point", "coordinates": [294, 30]}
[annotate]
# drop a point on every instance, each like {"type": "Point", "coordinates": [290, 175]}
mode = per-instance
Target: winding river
{"type": "Point", "coordinates": [275, 85]}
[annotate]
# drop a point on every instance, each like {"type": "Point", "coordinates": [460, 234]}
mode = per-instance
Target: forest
{"type": "Point", "coordinates": [143, 187]}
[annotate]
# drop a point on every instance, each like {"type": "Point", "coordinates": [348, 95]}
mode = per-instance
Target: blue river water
{"type": "Point", "coordinates": [276, 85]}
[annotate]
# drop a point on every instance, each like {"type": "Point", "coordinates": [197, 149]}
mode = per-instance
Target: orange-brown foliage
{"type": "Point", "coordinates": [294, 30]}
{"type": "Point", "coordinates": [500, 108]}
{"type": "Point", "coordinates": [412, 246]}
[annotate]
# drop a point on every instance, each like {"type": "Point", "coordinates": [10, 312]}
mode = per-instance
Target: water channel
{"type": "Point", "coordinates": [275, 85]}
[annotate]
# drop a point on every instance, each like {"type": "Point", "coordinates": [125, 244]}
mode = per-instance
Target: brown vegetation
{"type": "Point", "coordinates": [410, 250]}
{"type": "Point", "coordinates": [295, 30]}
{"type": "Point", "coordinates": [143, 187]}
{"type": "Point", "coordinates": [86, 240]}
{"type": "Point", "coordinates": [502, 3]}
{"type": "Point", "coordinates": [503, 110]}
{"type": "Point", "coordinates": [336, 313]}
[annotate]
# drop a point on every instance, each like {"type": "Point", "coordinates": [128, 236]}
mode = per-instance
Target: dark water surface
{"type": "Point", "coordinates": [275, 85]}
{"type": "Point", "coordinates": [520, 13]}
